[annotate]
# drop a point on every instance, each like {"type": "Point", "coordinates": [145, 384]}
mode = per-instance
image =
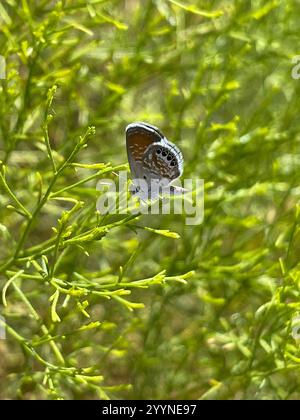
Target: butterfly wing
{"type": "Point", "coordinates": [154, 161]}
{"type": "Point", "coordinates": [139, 136]}
{"type": "Point", "coordinates": [163, 161]}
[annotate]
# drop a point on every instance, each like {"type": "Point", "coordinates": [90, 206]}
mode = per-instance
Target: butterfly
{"type": "Point", "coordinates": [154, 161]}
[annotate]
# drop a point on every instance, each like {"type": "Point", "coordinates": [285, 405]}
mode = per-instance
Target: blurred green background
{"type": "Point", "coordinates": [88, 315]}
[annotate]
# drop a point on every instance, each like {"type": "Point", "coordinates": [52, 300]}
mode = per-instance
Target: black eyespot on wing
{"type": "Point", "coordinates": [164, 153]}
{"type": "Point", "coordinates": [169, 157]}
{"type": "Point", "coordinates": [144, 177]}
{"type": "Point", "coordinates": [158, 151]}
{"type": "Point", "coordinates": [173, 163]}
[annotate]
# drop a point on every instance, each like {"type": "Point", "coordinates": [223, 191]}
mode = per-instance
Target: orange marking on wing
{"type": "Point", "coordinates": [138, 143]}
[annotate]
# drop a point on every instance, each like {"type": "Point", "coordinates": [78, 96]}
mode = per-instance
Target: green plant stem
{"type": "Point", "coordinates": [24, 211]}
{"type": "Point", "coordinates": [89, 178]}
{"type": "Point", "coordinates": [44, 329]}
